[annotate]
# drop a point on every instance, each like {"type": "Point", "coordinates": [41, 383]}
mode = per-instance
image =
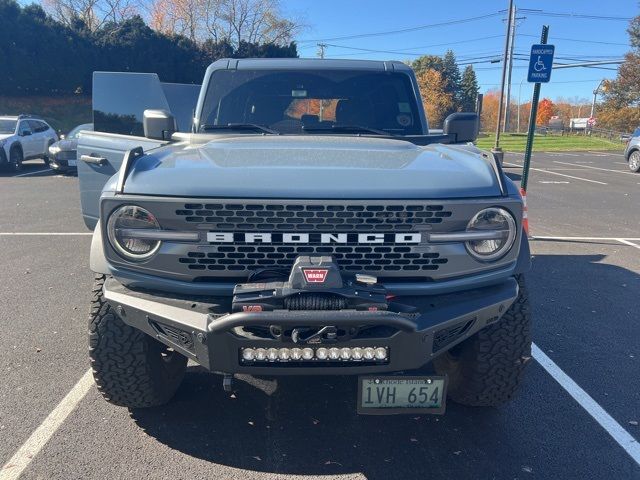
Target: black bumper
{"type": "Point", "coordinates": [199, 328]}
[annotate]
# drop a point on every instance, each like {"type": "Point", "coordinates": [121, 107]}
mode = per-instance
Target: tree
{"type": "Point", "coordinates": [92, 14]}
{"type": "Point", "coordinates": [545, 111]}
{"type": "Point", "coordinates": [489, 116]}
{"type": "Point", "coordinates": [468, 90]}
{"type": "Point", "coordinates": [621, 97]}
{"type": "Point", "coordinates": [449, 72]}
{"type": "Point", "coordinates": [231, 21]}
{"type": "Point", "coordinates": [435, 99]}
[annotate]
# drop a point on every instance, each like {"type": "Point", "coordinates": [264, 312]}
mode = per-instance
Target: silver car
{"type": "Point", "coordinates": [632, 152]}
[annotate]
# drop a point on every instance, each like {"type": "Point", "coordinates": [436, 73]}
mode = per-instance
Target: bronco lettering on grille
{"type": "Point", "coordinates": [322, 238]}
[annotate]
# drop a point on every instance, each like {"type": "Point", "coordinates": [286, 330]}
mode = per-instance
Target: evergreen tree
{"type": "Point", "coordinates": [468, 90]}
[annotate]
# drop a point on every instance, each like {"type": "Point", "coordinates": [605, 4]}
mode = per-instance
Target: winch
{"type": "Point", "coordinates": [314, 283]}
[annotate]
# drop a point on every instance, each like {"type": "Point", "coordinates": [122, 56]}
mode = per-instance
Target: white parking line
{"type": "Point", "coordinates": [627, 242]}
{"type": "Point", "coordinates": [39, 438]}
{"type": "Point", "coordinates": [31, 173]}
{"type": "Point", "coordinates": [606, 421]}
{"type": "Point", "coordinates": [594, 168]}
{"type": "Point", "coordinates": [560, 174]}
{"type": "Point", "coordinates": [41, 234]}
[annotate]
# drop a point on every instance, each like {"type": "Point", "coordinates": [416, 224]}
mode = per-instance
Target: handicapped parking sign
{"type": "Point", "coordinates": [540, 63]}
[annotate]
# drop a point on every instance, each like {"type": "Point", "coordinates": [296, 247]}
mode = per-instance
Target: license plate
{"type": "Point", "coordinates": [388, 395]}
{"type": "Point", "coordinates": [72, 163]}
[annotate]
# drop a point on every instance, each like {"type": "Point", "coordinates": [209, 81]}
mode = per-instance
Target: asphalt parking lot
{"type": "Point", "coordinates": [576, 416]}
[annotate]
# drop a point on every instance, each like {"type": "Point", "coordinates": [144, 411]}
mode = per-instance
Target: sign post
{"type": "Point", "coordinates": [540, 65]}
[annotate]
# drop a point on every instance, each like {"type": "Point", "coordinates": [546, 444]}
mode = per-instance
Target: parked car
{"type": "Point", "coordinates": [632, 152]}
{"type": "Point", "coordinates": [23, 137]}
{"type": "Point", "coordinates": [62, 154]}
{"type": "Point", "coordinates": [306, 222]}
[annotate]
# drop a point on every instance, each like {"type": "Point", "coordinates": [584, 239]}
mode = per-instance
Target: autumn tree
{"type": "Point", "coordinates": [545, 111]}
{"type": "Point", "coordinates": [489, 116]}
{"type": "Point", "coordinates": [449, 72]}
{"type": "Point", "coordinates": [621, 107]}
{"type": "Point", "coordinates": [231, 21]}
{"type": "Point", "coordinates": [436, 100]}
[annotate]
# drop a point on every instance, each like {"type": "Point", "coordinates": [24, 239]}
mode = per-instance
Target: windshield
{"type": "Point", "coordinates": [312, 102]}
{"type": "Point", "coordinates": [7, 125]}
{"type": "Point", "coordinates": [74, 133]}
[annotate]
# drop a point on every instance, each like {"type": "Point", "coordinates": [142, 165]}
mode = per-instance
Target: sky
{"type": "Point", "coordinates": [477, 40]}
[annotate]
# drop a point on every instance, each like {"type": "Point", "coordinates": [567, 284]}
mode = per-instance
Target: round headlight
{"type": "Point", "coordinates": [500, 226]}
{"type": "Point", "coordinates": [122, 227]}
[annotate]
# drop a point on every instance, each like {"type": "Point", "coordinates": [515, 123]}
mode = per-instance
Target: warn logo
{"type": "Point", "coordinates": [316, 275]}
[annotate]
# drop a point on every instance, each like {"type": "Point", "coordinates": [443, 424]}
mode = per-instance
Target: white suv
{"type": "Point", "coordinates": [22, 138]}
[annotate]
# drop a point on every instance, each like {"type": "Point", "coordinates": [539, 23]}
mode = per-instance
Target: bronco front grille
{"type": "Point", "coordinates": [351, 258]}
{"type": "Point", "coordinates": [312, 217]}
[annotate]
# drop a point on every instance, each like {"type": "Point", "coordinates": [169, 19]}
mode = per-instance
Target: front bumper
{"type": "Point", "coordinates": [200, 328]}
{"type": "Point", "coordinates": [61, 165]}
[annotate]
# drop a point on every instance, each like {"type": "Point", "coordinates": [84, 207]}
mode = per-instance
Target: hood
{"type": "Point", "coordinates": [259, 166]}
{"type": "Point", "coordinates": [5, 135]}
{"type": "Point", "coordinates": [67, 144]}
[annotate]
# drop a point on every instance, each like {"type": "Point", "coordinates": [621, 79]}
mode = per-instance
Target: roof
{"type": "Point", "coordinates": [309, 63]}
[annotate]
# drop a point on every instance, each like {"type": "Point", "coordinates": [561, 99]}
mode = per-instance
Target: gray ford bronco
{"type": "Point", "coordinates": [297, 217]}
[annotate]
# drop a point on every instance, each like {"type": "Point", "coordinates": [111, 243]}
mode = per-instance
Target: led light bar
{"type": "Point", "coordinates": [321, 354]}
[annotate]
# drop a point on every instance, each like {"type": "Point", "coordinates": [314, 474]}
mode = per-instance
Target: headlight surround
{"type": "Point", "coordinates": [492, 219]}
{"type": "Point", "coordinates": [127, 246]}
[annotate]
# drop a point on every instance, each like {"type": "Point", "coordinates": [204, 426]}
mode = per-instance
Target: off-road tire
{"type": "Point", "coordinates": [15, 159]}
{"type": "Point", "coordinates": [486, 369]}
{"type": "Point", "coordinates": [130, 368]}
{"type": "Point", "coordinates": [634, 161]}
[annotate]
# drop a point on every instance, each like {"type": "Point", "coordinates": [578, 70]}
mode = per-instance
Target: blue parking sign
{"type": "Point", "coordinates": [540, 63]}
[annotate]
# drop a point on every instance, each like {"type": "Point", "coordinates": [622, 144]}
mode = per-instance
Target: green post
{"type": "Point", "coordinates": [532, 122]}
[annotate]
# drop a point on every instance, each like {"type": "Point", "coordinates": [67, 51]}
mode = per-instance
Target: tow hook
{"type": "Point", "coordinates": [301, 335]}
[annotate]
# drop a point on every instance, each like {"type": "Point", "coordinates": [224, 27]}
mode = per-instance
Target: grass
{"type": "Point", "coordinates": [61, 112]}
{"type": "Point", "coordinates": [513, 142]}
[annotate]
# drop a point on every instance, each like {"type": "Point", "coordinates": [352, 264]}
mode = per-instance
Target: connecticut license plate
{"type": "Point", "coordinates": [388, 395]}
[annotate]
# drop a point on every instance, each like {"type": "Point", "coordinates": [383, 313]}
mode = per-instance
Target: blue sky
{"type": "Point", "coordinates": [336, 18]}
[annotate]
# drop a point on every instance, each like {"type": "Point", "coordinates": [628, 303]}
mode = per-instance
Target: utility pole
{"type": "Point", "coordinates": [321, 48]}
{"type": "Point", "coordinates": [512, 42]}
{"type": "Point", "coordinates": [497, 151]}
{"type": "Point", "coordinates": [595, 97]}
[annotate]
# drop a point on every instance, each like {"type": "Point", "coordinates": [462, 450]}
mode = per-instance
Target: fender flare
{"type": "Point", "coordinates": [97, 260]}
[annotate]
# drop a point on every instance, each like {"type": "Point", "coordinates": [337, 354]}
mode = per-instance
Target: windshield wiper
{"type": "Point", "coordinates": [348, 128]}
{"type": "Point", "coordinates": [240, 126]}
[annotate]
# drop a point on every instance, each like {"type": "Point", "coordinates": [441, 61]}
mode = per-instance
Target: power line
{"type": "Point", "coordinates": [543, 13]}
{"type": "Point", "coordinates": [403, 30]}
{"type": "Point", "coordinates": [576, 40]}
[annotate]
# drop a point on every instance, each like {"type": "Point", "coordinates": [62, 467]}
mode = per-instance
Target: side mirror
{"type": "Point", "coordinates": [158, 124]}
{"type": "Point", "coordinates": [463, 126]}
{"type": "Point", "coordinates": [25, 133]}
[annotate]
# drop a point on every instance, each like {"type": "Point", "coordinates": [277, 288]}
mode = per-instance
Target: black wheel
{"type": "Point", "coordinates": [486, 369]}
{"type": "Point", "coordinates": [634, 161]}
{"type": "Point", "coordinates": [15, 159]}
{"type": "Point", "coordinates": [130, 368]}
